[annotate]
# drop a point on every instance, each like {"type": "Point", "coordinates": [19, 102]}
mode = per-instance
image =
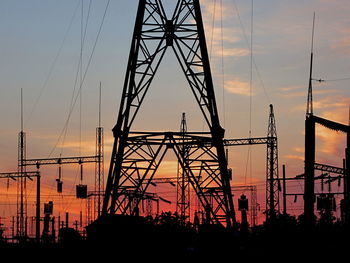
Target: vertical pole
{"type": "Point", "coordinates": [17, 226]}
{"type": "Point", "coordinates": [53, 229]}
{"type": "Point", "coordinates": [284, 190]}
{"type": "Point", "coordinates": [21, 224]}
{"type": "Point", "coordinates": [272, 212]}
{"type": "Point", "coordinates": [309, 185]}
{"type": "Point", "coordinates": [343, 212]}
{"type": "Point", "coordinates": [99, 180]}
{"type": "Point", "coordinates": [26, 226]}
{"type": "Point", "coordinates": [13, 227]}
{"type": "Point", "coordinates": [81, 219]}
{"type": "Point", "coordinates": [346, 180]}
{"type": "Point", "coordinates": [67, 219]}
{"type": "Point", "coordinates": [37, 229]}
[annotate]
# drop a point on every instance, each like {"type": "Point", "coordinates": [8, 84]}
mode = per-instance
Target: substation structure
{"type": "Point", "coordinates": [273, 187]}
{"type": "Point", "coordinates": [183, 185]}
{"type": "Point", "coordinates": [137, 155]}
{"type": "Point", "coordinates": [21, 176]}
{"type": "Point", "coordinates": [21, 220]}
{"type": "Point", "coordinates": [310, 163]}
{"type": "Point", "coordinates": [311, 166]}
{"type": "Point", "coordinates": [325, 197]}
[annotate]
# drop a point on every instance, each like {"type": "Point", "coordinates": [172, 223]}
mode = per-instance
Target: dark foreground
{"type": "Point", "coordinates": [137, 238]}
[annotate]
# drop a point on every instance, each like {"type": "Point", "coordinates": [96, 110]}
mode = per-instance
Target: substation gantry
{"type": "Point", "coordinates": [310, 144]}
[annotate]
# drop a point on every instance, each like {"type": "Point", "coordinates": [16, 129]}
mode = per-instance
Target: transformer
{"type": "Point", "coordinates": [326, 202]}
{"type": "Point", "coordinates": [243, 203]}
{"type": "Point", "coordinates": [81, 191]}
{"type": "Point", "coordinates": [48, 208]}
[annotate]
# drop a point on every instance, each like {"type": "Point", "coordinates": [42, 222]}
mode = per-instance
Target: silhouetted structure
{"type": "Point", "coordinates": [310, 165]}
{"type": "Point", "coordinates": [183, 180]}
{"type": "Point", "coordinates": [273, 187]}
{"type": "Point", "coordinates": [137, 155]}
{"type": "Point", "coordinates": [18, 176]}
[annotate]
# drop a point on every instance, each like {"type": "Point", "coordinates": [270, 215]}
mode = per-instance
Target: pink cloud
{"type": "Point", "coordinates": [239, 87]}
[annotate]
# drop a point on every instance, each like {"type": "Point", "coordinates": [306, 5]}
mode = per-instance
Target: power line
{"type": "Point", "coordinates": [248, 45]}
{"type": "Point", "coordinates": [53, 65]}
{"type": "Point", "coordinates": [222, 62]}
{"type": "Point", "coordinates": [329, 80]}
{"type": "Point", "coordinates": [83, 79]}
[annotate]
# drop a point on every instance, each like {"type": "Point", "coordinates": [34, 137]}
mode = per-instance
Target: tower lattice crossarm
{"type": "Point", "coordinates": [137, 156]}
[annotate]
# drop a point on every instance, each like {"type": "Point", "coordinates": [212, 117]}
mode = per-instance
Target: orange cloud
{"type": "Point", "coordinates": [215, 13]}
{"type": "Point", "coordinates": [231, 52]}
{"type": "Point", "coordinates": [294, 157]}
{"type": "Point", "coordinates": [331, 104]}
{"type": "Point", "coordinates": [301, 91]}
{"type": "Point", "coordinates": [239, 87]}
{"type": "Point", "coordinates": [333, 142]}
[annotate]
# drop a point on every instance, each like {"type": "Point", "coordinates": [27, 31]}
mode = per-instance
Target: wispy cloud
{"type": "Point", "coordinates": [294, 157]}
{"type": "Point", "coordinates": [332, 143]}
{"type": "Point", "coordinates": [220, 37]}
{"type": "Point", "coordinates": [231, 52]}
{"type": "Point", "coordinates": [301, 91]}
{"type": "Point", "coordinates": [327, 104]}
{"type": "Point", "coordinates": [239, 87]}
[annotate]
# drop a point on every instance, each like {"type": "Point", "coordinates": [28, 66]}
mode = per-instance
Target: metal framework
{"type": "Point", "coordinates": [137, 155]}
{"type": "Point", "coordinates": [311, 165]}
{"type": "Point", "coordinates": [310, 142]}
{"type": "Point", "coordinates": [249, 141]}
{"type": "Point", "coordinates": [23, 175]}
{"type": "Point", "coordinates": [253, 208]}
{"type": "Point", "coordinates": [183, 195]}
{"type": "Point", "coordinates": [273, 187]}
{"type": "Point", "coordinates": [326, 170]}
{"type": "Point", "coordinates": [60, 160]}
{"type": "Point", "coordinates": [329, 169]}
{"type": "Point", "coordinates": [99, 172]}
{"type": "Point", "coordinates": [97, 159]}
{"type": "Point", "coordinates": [21, 187]}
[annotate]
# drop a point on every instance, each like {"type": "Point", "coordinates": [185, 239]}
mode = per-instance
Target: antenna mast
{"type": "Point", "coordinates": [309, 108]}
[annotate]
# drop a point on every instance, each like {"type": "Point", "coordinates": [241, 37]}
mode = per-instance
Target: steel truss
{"type": "Point", "coordinates": [273, 187]}
{"type": "Point", "coordinates": [143, 155]}
{"type": "Point", "coordinates": [137, 156]}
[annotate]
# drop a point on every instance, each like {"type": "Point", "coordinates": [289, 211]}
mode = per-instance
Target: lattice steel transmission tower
{"type": "Point", "coordinates": [273, 187]}
{"type": "Point", "coordinates": [22, 182]}
{"type": "Point", "coordinates": [183, 184]}
{"type": "Point", "coordinates": [136, 156]}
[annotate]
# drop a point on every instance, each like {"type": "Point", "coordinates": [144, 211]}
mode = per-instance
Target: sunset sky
{"type": "Point", "coordinates": [40, 50]}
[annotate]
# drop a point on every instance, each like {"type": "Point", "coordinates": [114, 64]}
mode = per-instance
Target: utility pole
{"type": "Point", "coordinates": [99, 165]}
{"type": "Point", "coordinates": [22, 200]}
{"type": "Point", "coordinates": [284, 190]}
{"type": "Point", "coordinates": [347, 177]}
{"type": "Point", "coordinates": [37, 220]}
{"type": "Point", "coordinates": [309, 182]}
